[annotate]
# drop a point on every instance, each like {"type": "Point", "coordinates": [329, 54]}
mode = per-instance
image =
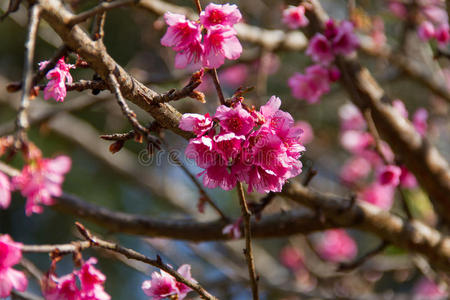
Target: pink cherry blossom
{"type": "Point", "coordinates": [199, 124]}
{"type": "Point", "coordinates": [320, 49]}
{"type": "Point", "coordinates": [216, 14]}
{"type": "Point", "coordinates": [237, 119]}
{"type": "Point", "coordinates": [62, 288]}
{"type": "Point", "coordinates": [292, 258]}
{"type": "Point", "coordinates": [92, 281]}
{"type": "Point", "coordinates": [5, 191]}
{"type": "Point", "coordinates": [181, 32]}
{"type": "Point", "coordinates": [40, 181]}
{"type": "Point", "coordinates": [220, 43]}
{"type": "Point", "coordinates": [163, 285]}
{"type": "Point", "coordinates": [356, 141]}
{"type": "Point", "coordinates": [10, 255]}
{"type": "Point", "coordinates": [426, 289]}
{"type": "Point", "coordinates": [307, 131]}
{"type": "Point", "coordinates": [378, 195]}
{"type": "Point", "coordinates": [234, 229]}
{"type": "Point", "coordinates": [345, 42]}
{"type": "Point", "coordinates": [294, 17]}
{"type": "Point", "coordinates": [337, 246]}
{"type": "Point", "coordinates": [398, 9]}
{"type": "Point", "coordinates": [443, 34]}
{"type": "Point", "coordinates": [426, 30]}
{"type": "Point", "coordinates": [56, 87]}
{"type": "Point", "coordinates": [400, 107]}
{"type": "Point", "coordinates": [351, 118]}
{"type": "Point", "coordinates": [407, 179]}
{"type": "Point", "coordinates": [260, 148]}
{"type": "Point", "coordinates": [389, 175]}
{"type": "Point", "coordinates": [311, 85]}
{"type": "Point", "coordinates": [420, 118]}
{"type": "Point", "coordinates": [355, 169]}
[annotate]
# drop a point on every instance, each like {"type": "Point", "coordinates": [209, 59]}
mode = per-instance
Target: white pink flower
{"type": "Point", "coordinates": [40, 181]}
{"type": "Point", "coordinates": [10, 255]}
{"type": "Point", "coordinates": [294, 17]}
{"type": "Point", "coordinates": [163, 285]}
{"type": "Point", "coordinates": [199, 124]}
{"type": "Point", "coordinates": [5, 191]}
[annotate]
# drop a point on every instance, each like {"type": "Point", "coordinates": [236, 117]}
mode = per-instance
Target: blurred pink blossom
{"type": "Point", "coordinates": [407, 179]}
{"type": "Point", "coordinates": [355, 169]}
{"type": "Point", "coordinates": [292, 258]}
{"type": "Point", "coordinates": [294, 17]}
{"type": "Point", "coordinates": [337, 246]}
{"type": "Point", "coordinates": [234, 229]}
{"type": "Point", "coordinates": [308, 133]}
{"type": "Point", "coordinates": [351, 118]}
{"type": "Point", "coordinates": [311, 85]}
{"type": "Point", "coordinates": [400, 107]}
{"type": "Point", "coordinates": [389, 175]}
{"type": "Point", "coordinates": [10, 255]}
{"type": "Point", "coordinates": [378, 195]}
{"type": "Point", "coordinates": [234, 76]}
{"type": "Point", "coordinates": [426, 31]}
{"type": "Point", "coordinates": [426, 289]}
{"type": "Point", "coordinates": [419, 120]}
{"type": "Point", "coordinates": [5, 191]}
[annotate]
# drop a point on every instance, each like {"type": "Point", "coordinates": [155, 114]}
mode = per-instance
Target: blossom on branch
{"type": "Point", "coordinates": [337, 246]}
{"type": "Point", "coordinates": [10, 255]}
{"type": "Point", "coordinates": [210, 50]}
{"type": "Point", "coordinates": [163, 285]}
{"type": "Point", "coordinates": [294, 17]}
{"type": "Point", "coordinates": [40, 181]}
{"type": "Point", "coordinates": [261, 148]}
{"type": "Point", "coordinates": [56, 87]}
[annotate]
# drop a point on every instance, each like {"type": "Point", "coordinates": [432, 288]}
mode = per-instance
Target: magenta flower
{"type": "Point", "coordinates": [215, 14]}
{"type": "Point", "coordinates": [426, 31]}
{"type": "Point", "coordinates": [311, 85]}
{"type": "Point", "coordinates": [236, 120]}
{"type": "Point", "coordinates": [407, 179]}
{"type": "Point", "coordinates": [294, 17]}
{"type": "Point", "coordinates": [443, 34]}
{"type": "Point", "coordinates": [345, 42]}
{"type": "Point", "coordinates": [163, 285]}
{"type": "Point", "coordinates": [5, 191]}
{"type": "Point", "coordinates": [40, 181]}
{"type": "Point", "coordinates": [220, 43]}
{"type": "Point", "coordinates": [56, 87]}
{"type": "Point", "coordinates": [260, 148]}
{"type": "Point", "coordinates": [355, 170]}
{"type": "Point", "coordinates": [10, 255]}
{"type": "Point", "coordinates": [378, 195]}
{"type": "Point", "coordinates": [398, 9]}
{"type": "Point", "coordinates": [389, 175]}
{"type": "Point", "coordinates": [66, 287]}
{"type": "Point", "coordinates": [292, 258]}
{"type": "Point", "coordinates": [320, 49]}
{"type": "Point", "coordinates": [426, 289]}
{"type": "Point", "coordinates": [199, 124]}
{"type": "Point", "coordinates": [420, 118]}
{"type": "Point", "coordinates": [337, 246]}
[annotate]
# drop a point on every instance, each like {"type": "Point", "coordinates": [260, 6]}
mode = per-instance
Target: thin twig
{"type": "Point", "coordinates": [198, 5]}
{"type": "Point", "coordinates": [344, 267]}
{"type": "Point", "coordinates": [22, 115]}
{"type": "Point", "coordinates": [215, 78]}
{"type": "Point", "coordinates": [132, 254]}
{"type": "Point", "coordinates": [187, 91]}
{"type": "Point", "coordinates": [104, 6]}
{"type": "Point", "coordinates": [129, 114]}
{"type": "Point", "coordinates": [248, 241]}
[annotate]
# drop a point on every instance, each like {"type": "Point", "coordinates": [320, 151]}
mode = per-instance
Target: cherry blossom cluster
{"type": "Point", "coordinates": [208, 50]}
{"type": "Point", "coordinates": [58, 76]}
{"type": "Point", "coordinates": [433, 19]}
{"type": "Point", "coordinates": [261, 148]}
{"type": "Point", "coordinates": [365, 158]}
{"type": "Point", "coordinates": [163, 285]}
{"type": "Point", "coordinates": [39, 181]}
{"type": "Point", "coordinates": [10, 255]}
{"type": "Point", "coordinates": [337, 39]}
{"type": "Point", "coordinates": [65, 287]}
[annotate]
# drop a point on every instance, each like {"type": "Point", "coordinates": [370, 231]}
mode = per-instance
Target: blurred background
{"type": "Point", "coordinates": [132, 182]}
